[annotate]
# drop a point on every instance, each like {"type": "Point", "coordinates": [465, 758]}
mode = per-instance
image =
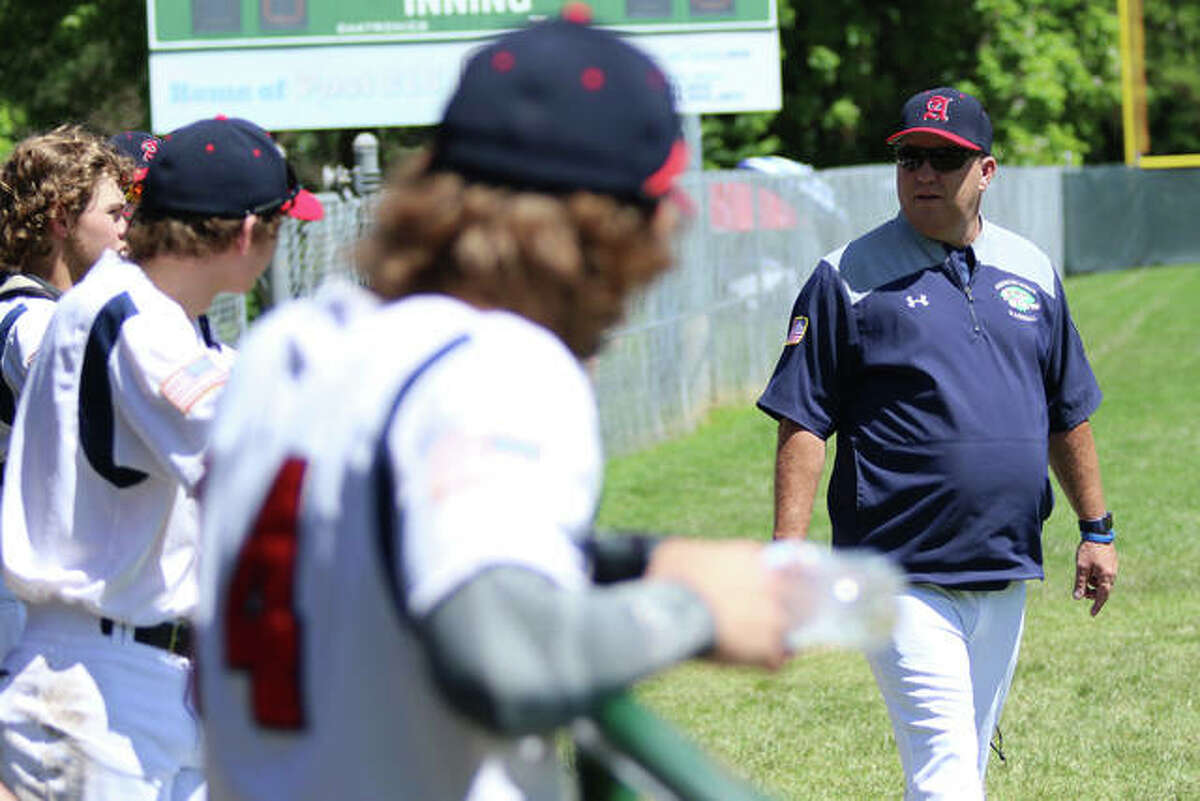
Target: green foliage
{"type": "Point", "coordinates": [74, 62]}
{"type": "Point", "coordinates": [1173, 76]}
{"type": "Point", "coordinates": [849, 65]}
{"type": "Point", "coordinates": [1104, 704]}
{"type": "Point", "coordinates": [729, 138]}
{"type": "Point", "coordinates": [1049, 71]}
{"type": "Point", "coordinates": [12, 121]}
{"type": "Point", "coordinates": [87, 62]}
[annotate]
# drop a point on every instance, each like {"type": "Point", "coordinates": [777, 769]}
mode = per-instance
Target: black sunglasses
{"type": "Point", "coordinates": [942, 159]}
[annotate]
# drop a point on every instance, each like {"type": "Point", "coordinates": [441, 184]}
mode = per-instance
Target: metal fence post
{"type": "Point", "coordinates": [279, 272]}
{"type": "Point", "coordinates": [366, 163]}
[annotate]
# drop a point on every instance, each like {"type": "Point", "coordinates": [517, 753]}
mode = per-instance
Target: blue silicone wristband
{"type": "Point", "coordinates": [1088, 536]}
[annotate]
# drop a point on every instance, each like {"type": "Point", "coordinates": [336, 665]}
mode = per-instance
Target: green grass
{"type": "Point", "coordinates": [1103, 709]}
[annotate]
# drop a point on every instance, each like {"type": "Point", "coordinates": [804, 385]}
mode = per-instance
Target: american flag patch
{"type": "Point", "coordinates": [190, 383]}
{"type": "Point", "coordinates": [797, 331]}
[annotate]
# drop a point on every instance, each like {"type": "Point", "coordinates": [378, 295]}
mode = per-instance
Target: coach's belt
{"type": "Point", "coordinates": [174, 637]}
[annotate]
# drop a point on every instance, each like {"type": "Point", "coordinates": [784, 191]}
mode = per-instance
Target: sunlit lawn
{"type": "Point", "coordinates": [1101, 709]}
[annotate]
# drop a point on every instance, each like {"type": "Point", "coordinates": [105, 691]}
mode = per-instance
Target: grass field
{"type": "Point", "coordinates": [1103, 709]}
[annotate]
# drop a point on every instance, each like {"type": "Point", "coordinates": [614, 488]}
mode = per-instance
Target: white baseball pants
{"type": "Point", "coordinates": [87, 716]}
{"type": "Point", "coordinates": [12, 621]}
{"type": "Point", "coordinates": [944, 677]}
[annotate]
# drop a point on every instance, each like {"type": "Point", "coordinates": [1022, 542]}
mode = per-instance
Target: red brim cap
{"type": "Point", "coordinates": [662, 184]}
{"type": "Point", "coordinates": [958, 140]}
{"type": "Point", "coordinates": [662, 181]}
{"type": "Point", "coordinates": [304, 206]}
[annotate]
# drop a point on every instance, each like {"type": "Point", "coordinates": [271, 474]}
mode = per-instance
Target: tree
{"type": "Point", "coordinates": [849, 65]}
{"type": "Point", "coordinates": [1049, 71]}
{"type": "Point", "coordinates": [1173, 75]}
{"type": "Point", "coordinates": [87, 62]}
{"type": "Point", "coordinates": [73, 62]}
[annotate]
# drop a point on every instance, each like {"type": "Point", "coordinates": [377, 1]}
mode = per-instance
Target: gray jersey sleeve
{"type": "Point", "coordinates": [518, 653]}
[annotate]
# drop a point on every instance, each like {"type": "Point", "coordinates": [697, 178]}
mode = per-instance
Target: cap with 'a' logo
{"type": "Point", "coordinates": [947, 113]}
{"type": "Point", "coordinates": [137, 145]}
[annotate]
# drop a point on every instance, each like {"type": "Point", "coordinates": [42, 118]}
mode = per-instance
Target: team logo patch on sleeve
{"type": "Point", "coordinates": [187, 385]}
{"type": "Point", "coordinates": [797, 331]}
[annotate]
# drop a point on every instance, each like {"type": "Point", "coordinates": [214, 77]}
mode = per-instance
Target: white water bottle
{"type": "Point", "coordinates": [843, 597]}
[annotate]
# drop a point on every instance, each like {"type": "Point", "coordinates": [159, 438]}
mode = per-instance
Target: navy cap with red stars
{"type": "Point", "coordinates": [561, 106]}
{"type": "Point", "coordinates": [953, 115]}
{"type": "Point", "coordinates": [223, 167]}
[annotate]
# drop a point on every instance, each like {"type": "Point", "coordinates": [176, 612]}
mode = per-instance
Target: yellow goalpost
{"type": "Point", "coordinates": [1133, 94]}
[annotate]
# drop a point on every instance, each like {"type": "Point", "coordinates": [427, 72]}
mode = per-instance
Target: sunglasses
{"type": "Point", "coordinates": [942, 159]}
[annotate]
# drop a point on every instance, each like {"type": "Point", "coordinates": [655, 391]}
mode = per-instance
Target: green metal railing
{"type": "Point", "coordinates": [625, 753]}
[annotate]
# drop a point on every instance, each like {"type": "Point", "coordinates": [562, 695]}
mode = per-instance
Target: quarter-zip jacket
{"type": "Point", "coordinates": [942, 394]}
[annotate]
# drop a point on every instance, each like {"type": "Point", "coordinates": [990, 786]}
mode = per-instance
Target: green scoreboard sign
{"type": "Point", "coordinates": [259, 23]}
{"type": "Point", "coordinates": [297, 64]}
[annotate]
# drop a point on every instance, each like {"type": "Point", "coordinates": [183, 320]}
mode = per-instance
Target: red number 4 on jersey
{"type": "Point", "coordinates": [262, 632]}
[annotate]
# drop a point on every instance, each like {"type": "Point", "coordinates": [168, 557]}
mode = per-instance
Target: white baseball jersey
{"type": "Point", "coordinates": [23, 321]}
{"type": "Point", "coordinates": [107, 448]}
{"type": "Point", "coordinates": [362, 472]}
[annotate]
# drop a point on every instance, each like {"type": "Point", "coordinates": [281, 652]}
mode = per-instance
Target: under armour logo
{"type": "Point", "coordinates": [937, 108]}
{"type": "Point", "coordinates": [920, 300]}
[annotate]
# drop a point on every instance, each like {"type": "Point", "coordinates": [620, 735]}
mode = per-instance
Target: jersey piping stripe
{"type": "Point", "coordinates": [96, 422]}
{"type": "Point", "coordinates": [206, 332]}
{"type": "Point", "coordinates": [24, 285]}
{"type": "Point", "coordinates": [390, 530]}
{"type": "Point", "coordinates": [8, 401]}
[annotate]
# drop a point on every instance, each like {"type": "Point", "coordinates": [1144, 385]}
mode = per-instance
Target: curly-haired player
{"type": "Point", "coordinates": [398, 566]}
{"type": "Point", "coordinates": [61, 198]}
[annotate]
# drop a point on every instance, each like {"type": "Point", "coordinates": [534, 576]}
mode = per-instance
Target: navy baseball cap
{"type": "Point", "coordinates": [223, 167]}
{"type": "Point", "coordinates": [950, 114]}
{"type": "Point", "coordinates": [137, 145]}
{"type": "Point", "coordinates": [561, 106]}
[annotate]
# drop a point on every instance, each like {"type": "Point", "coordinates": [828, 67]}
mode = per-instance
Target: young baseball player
{"type": "Point", "coordinates": [99, 511]}
{"type": "Point", "coordinates": [397, 566]}
{"type": "Point", "coordinates": [61, 197]}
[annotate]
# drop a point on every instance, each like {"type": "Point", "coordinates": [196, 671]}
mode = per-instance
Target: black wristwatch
{"type": "Point", "coordinates": [1100, 530]}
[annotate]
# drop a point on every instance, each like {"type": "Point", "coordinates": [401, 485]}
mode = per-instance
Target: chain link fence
{"type": "Point", "coordinates": [710, 330]}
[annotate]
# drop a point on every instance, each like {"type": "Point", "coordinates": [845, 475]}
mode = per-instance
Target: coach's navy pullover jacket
{"type": "Point", "coordinates": [942, 396]}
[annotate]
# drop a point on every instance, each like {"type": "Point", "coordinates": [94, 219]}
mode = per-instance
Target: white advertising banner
{"type": "Point", "coordinates": [396, 84]}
